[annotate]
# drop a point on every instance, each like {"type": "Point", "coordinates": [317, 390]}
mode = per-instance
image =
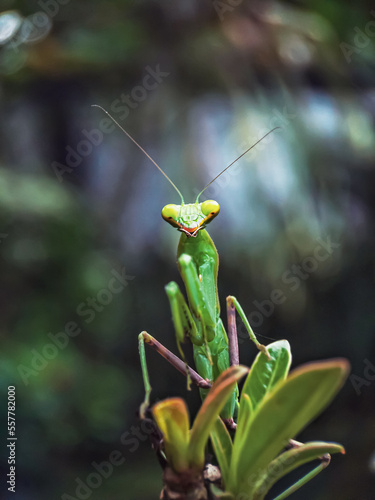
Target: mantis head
{"type": "Point", "coordinates": [192, 217]}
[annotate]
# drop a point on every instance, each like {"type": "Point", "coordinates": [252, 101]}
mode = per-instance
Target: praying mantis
{"type": "Point", "coordinates": [199, 320]}
{"type": "Point", "coordinates": [262, 450]}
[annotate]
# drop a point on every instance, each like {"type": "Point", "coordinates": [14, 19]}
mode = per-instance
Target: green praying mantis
{"type": "Point", "coordinates": [274, 406]}
{"type": "Point", "coordinates": [214, 349]}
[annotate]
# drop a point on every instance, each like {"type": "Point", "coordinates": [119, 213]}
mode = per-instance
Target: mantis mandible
{"type": "Point", "coordinates": [214, 350]}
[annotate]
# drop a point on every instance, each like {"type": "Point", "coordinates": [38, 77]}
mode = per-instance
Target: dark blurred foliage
{"type": "Point", "coordinates": [231, 70]}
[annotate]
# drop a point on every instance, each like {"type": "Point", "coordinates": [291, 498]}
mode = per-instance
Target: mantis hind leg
{"type": "Point", "coordinates": [325, 460]}
{"type": "Point", "coordinates": [146, 338]}
{"type": "Point", "coordinates": [232, 306]}
{"type": "Point", "coordinates": [305, 479]}
{"type": "Point", "coordinates": [145, 375]}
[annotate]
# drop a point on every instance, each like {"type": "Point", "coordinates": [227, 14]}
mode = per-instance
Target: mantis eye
{"type": "Point", "coordinates": [210, 208]}
{"type": "Point", "coordinates": [170, 213]}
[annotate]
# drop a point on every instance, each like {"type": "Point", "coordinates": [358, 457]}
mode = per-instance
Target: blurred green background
{"type": "Point", "coordinates": [83, 248]}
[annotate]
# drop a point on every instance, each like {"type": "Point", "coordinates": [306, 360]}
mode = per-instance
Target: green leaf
{"type": "Point", "coordinates": [264, 374]}
{"type": "Point", "coordinates": [283, 413]}
{"type": "Point", "coordinates": [244, 417]}
{"type": "Point", "coordinates": [218, 494]}
{"type": "Point", "coordinates": [291, 460]}
{"type": "Point", "coordinates": [210, 409]}
{"type": "Point", "coordinates": [222, 445]}
{"type": "Point", "coordinates": [172, 418]}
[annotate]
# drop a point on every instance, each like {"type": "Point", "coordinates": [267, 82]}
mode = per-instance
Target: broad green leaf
{"type": "Point", "coordinates": [210, 409]}
{"type": "Point", "coordinates": [172, 418]}
{"type": "Point", "coordinates": [264, 374]}
{"type": "Point", "coordinates": [283, 413]}
{"type": "Point", "coordinates": [291, 460]}
{"type": "Point", "coordinates": [222, 445]}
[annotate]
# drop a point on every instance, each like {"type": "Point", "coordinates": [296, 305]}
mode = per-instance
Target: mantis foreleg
{"type": "Point", "coordinates": [183, 321]}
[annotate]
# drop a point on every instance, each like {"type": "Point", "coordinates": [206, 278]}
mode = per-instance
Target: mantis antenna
{"type": "Point", "coordinates": [226, 168]}
{"type": "Point", "coordinates": [162, 171]}
{"type": "Point", "coordinates": [140, 147]}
